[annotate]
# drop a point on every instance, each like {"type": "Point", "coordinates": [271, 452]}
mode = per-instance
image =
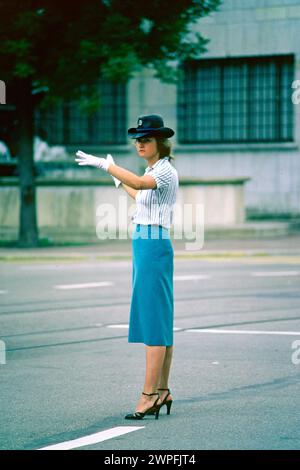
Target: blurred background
{"type": "Point", "coordinates": [233, 105]}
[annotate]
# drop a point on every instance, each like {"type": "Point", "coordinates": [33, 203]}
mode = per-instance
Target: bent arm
{"type": "Point", "coordinates": [129, 190]}
{"type": "Point", "coordinates": [131, 179]}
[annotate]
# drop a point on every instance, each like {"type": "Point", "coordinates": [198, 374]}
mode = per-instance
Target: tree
{"type": "Point", "coordinates": [58, 49]}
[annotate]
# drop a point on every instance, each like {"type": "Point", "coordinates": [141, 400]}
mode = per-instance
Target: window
{"type": "Point", "coordinates": [236, 100]}
{"type": "Point", "coordinates": [68, 125]}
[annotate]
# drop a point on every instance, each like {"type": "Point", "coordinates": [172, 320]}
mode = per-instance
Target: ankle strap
{"type": "Point", "coordinates": [150, 394]}
{"type": "Point", "coordinates": [164, 389]}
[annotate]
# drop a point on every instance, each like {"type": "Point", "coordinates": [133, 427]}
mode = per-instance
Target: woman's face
{"type": "Point", "coordinates": [147, 147]}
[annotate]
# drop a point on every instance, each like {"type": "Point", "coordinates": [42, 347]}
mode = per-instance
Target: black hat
{"type": "Point", "coordinates": [151, 125]}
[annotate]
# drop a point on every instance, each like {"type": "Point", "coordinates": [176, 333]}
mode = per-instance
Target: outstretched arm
{"type": "Point", "coordinates": [125, 176]}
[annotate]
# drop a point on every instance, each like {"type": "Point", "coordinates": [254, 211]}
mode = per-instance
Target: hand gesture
{"type": "Point", "coordinates": [86, 159]}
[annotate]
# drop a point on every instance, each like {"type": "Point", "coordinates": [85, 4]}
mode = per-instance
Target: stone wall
{"type": "Point", "coordinates": [87, 210]}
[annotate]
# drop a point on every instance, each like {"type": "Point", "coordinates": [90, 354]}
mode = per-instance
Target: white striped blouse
{"type": "Point", "coordinates": [156, 206]}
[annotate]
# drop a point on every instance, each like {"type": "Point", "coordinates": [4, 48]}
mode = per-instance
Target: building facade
{"type": "Point", "coordinates": [235, 110]}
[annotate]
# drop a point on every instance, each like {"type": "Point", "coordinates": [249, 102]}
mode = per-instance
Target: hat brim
{"type": "Point", "coordinates": [135, 133]}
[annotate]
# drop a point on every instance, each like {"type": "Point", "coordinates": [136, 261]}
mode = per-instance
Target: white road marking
{"type": "Point", "coordinates": [93, 438]}
{"type": "Point", "coordinates": [3, 291]}
{"type": "Point", "coordinates": [84, 286]}
{"type": "Point", "coordinates": [126, 325]}
{"type": "Point", "coordinates": [275, 273]}
{"type": "Point", "coordinates": [191, 277]}
{"type": "Point", "coordinates": [245, 332]}
{"type": "Point", "coordinates": [57, 266]}
{"type": "Point", "coordinates": [118, 326]}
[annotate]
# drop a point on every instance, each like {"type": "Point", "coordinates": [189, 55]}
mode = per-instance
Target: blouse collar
{"type": "Point", "coordinates": [155, 164]}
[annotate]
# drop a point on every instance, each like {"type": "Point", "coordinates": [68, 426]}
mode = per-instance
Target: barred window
{"type": "Point", "coordinates": [68, 125]}
{"type": "Point", "coordinates": [236, 100]}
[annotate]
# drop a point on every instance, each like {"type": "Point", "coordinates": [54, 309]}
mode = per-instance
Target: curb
{"type": "Point", "coordinates": [127, 255]}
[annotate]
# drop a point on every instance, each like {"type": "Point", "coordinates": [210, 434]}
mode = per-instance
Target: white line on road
{"type": "Point", "coordinates": [3, 291]}
{"type": "Point", "coordinates": [84, 286]}
{"type": "Point", "coordinates": [191, 277]}
{"type": "Point", "coordinates": [275, 273]}
{"type": "Point", "coordinates": [117, 326]}
{"type": "Point", "coordinates": [93, 438]}
{"type": "Point", "coordinates": [245, 332]}
{"type": "Point", "coordinates": [58, 266]}
{"type": "Point", "coordinates": [126, 325]}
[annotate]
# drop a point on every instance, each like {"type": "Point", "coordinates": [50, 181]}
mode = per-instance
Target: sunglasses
{"type": "Point", "coordinates": [143, 140]}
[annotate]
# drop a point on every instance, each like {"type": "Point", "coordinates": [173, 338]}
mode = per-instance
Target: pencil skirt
{"type": "Point", "coordinates": [152, 303]}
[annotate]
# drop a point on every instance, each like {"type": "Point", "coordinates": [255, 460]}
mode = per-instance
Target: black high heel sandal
{"type": "Point", "coordinates": [166, 402]}
{"type": "Point", "coordinates": [154, 409]}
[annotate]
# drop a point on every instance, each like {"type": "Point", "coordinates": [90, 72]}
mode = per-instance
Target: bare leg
{"type": "Point", "coordinates": [154, 362]}
{"type": "Point", "coordinates": [164, 378]}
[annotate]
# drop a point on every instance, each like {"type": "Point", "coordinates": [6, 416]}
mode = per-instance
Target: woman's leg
{"type": "Point", "coordinates": [164, 378]}
{"type": "Point", "coordinates": [154, 363]}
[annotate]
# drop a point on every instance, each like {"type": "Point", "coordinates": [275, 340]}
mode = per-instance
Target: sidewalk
{"type": "Point", "coordinates": [121, 249]}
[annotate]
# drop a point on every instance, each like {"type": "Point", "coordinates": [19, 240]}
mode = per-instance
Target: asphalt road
{"type": "Point", "coordinates": [70, 372]}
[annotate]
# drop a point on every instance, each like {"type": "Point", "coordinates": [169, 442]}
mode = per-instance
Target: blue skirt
{"type": "Point", "coordinates": [152, 305]}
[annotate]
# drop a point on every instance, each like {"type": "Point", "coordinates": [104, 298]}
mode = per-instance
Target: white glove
{"type": "Point", "coordinates": [110, 159]}
{"type": "Point", "coordinates": [86, 159]}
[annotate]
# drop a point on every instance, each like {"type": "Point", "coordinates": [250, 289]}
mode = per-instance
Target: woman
{"type": "Point", "coordinates": [152, 307]}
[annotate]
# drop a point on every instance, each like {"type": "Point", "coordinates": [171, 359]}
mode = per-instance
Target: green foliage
{"type": "Point", "coordinates": [62, 45]}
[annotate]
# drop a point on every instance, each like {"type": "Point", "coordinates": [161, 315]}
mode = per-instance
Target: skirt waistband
{"type": "Point", "coordinates": [151, 231]}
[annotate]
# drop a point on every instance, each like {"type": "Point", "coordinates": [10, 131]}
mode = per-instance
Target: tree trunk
{"type": "Point", "coordinates": [28, 232]}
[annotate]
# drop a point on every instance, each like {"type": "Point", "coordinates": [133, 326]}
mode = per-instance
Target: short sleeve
{"type": "Point", "coordinates": [162, 176]}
